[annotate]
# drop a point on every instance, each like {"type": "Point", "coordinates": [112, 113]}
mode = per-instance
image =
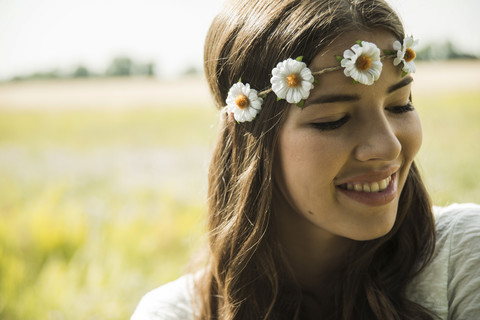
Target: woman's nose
{"type": "Point", "coordinates": [377, 140]}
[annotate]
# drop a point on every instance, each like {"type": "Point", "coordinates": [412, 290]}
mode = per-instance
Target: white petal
{"type": "Point", "coordinates": [306, 85]}
{"type": "Point", "coordinates": [277, 84]}
{"type": "Point", "coordinates": [348, 71]}
{"type": "Point", "coordinates": [293, 96]}
{"type": "Point", "coordinates": [297, 96]}
{"type": "Point", "coordinates": [237, 117]}
{"type": "Point", "coordinates": [250, 114]}
{"type": "Point", "coordinates": [367, 47]}
{"type": "Point", "coordinates": [357, 49]}
{"type": "Point", "coordinates": [364, 78]}
{"type": "Point", "coordinates": [276, 80]}
{"type": "Point", "coordinates": [397, 45]}
{"type": "Point", "coordinates": [257, 105]}
{"type": "Point", "coordinates": [230, 100]}
{"type": "Point", "coordinates": [348, 54]}
{"type": "Point", "coordinates": [408, 41]}
{"type": "Point", "coordinates": [281, 91]}
{"type": "Point", "coordinates": [375, 55]}
{"type": "Point", "coordinates": [276, 72]}
{"type": "Point", "coordinates": [375, 73]}
{"type": "Point", "coordinates": [409, 67]}
{"type": "Point", "coordinates": [242, 118]}
{"type": "Point", "coordinates": [290, 65]}
{"type": "Point", "coordinates": [304, 93]}
{"type": "Point", "coordinates": [252, 95]}
{"type": "Point", "coordinates": [299, 66]}
{"type": "Point", "coordinates": [289, 96]}
{"type": "Point", "coordinates": [377, 65]}
{"type": "Point", "coordinates": [306, 74]}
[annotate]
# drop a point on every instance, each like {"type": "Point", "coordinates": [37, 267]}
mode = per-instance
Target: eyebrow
{"type": "Point", "coordinates": [331, 98]}
{"type": "Point", "coordinates": [400, 84]}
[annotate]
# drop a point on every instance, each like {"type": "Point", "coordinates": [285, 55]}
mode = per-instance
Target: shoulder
{"type": "Point", "coordinates": [463, 286]}
{"type": "Point", "coordinates": [451, 217]}
{"type": "Point", "coordinates": [450, 284]}
{"type": "Point", "coordinates": [457, 223]}
{"type": "Point", "coordinates": [172, 301]}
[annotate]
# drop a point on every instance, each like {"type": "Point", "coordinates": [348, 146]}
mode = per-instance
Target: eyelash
{"type": "Point", "coordinates": [402, 109]}
{"type": "Point", "coordinates": [326, 126]}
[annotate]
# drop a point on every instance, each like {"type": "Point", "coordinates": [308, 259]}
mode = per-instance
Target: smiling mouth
{"type": "Point", "coordinates": [377, 186]}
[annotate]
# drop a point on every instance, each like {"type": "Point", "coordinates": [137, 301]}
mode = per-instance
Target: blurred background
{"type": "Point", "coordinates": [106, 128]}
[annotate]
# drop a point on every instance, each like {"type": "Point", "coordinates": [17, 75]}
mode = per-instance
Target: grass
{"type": "Point", "coordinates": [167, 127]}
{"type": "Point", "coordinates": [98, 207]}
{"type": "Point", "coordinates": [450, 148]}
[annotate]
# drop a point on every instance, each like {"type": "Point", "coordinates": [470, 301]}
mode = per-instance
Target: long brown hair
{"type": "Point", "coordinates": [246, 275]}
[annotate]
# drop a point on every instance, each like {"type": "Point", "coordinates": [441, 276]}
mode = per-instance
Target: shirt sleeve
{"type": "Point", "coordinates": [464, 265]}
{"type": "Point", "coordinates": [171, 301]}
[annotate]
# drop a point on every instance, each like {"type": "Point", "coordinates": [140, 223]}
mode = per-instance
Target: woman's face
{"type": "Point", "coordinates": [341, 162]}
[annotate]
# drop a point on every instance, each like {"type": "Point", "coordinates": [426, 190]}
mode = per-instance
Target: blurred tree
{"type": "Point", "coordinates": [150, 69]}
{"type": "Point", "coordinates": [124, 66]}
{"type": "Point", "coordinates": [147, 69]}
{"type": "Point", "coordinates": [442, 51]}
{"type": "Point", "coordinates": [53, 74]}
{"type": "Point", "coordinates": [120, 67]}
{"type": "Point", "coordinates": [81, 72]}
{"type": "Point", "coordinates": [191, 70]}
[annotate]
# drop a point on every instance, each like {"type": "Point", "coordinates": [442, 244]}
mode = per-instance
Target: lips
{"type": "Point", "coordinates": [376, 186]}
{"type": "Point", "coordinates": [372, 190]}
{"type": "Point", "coordinates": [368, 176]}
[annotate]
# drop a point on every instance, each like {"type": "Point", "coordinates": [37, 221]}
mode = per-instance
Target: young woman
{"type": "Point", "coordinates": [316, 207]}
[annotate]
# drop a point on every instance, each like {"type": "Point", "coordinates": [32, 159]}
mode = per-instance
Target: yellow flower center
{"type": "Point", "coordinates": [409, 55]}
{"type": "Point", "coordinates": [242, 101]}
{"type": "Point", "coordinates": [293, 80]}
{"type": "Point", "coordinates": [363, 63]}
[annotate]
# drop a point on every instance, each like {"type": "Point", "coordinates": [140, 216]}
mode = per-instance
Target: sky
{"type": "Point", "coordinates": [41, 35]}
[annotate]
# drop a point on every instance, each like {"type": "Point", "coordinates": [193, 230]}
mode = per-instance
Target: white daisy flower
{"type": "Point", "coordinates": [243, 102]}
{"type": "Point", "coordinates": [405, 54]}
{"type": "Point", "coordinates": [292, 80]}
{"type": "Point", "coordinates": [362, 62]}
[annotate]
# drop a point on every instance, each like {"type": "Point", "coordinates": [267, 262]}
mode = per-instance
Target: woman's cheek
{"type": "Point", "coordinates": [411, 135]}
{"type": "Point", "coordinates": [417, 133]}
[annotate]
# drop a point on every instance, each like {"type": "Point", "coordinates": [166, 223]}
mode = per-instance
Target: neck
{"type": "Point", "coordinates": [314, 255]}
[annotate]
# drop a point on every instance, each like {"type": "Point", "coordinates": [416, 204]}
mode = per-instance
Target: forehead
{"type": "Point", "coordinates": [337, 81]}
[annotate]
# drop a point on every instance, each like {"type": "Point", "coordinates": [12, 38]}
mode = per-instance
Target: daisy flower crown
{"type": "Point", "coordinates": [292, 80]}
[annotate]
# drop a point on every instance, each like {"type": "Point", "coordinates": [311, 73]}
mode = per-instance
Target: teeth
{"type": "Point", "coordinates": [366, 187]}
{"type": "Point", "coordinates": [383, 184]}
{"type": "Point", "coordinates": [370, 187]}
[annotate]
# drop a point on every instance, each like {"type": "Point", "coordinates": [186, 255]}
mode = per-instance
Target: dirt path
{"type": "Point", "coordinates": [103, 93]}
{"type": "Point", "coordinates": [439, 76]}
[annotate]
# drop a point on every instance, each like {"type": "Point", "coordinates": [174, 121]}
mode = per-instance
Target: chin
{"type": "Point", "coordinates": [371, 236]}
{"type": "Point", "coordinates": [375, 229]}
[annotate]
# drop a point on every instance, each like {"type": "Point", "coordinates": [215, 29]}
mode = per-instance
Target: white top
{"type": "Point", "coordinates": [448, 286]}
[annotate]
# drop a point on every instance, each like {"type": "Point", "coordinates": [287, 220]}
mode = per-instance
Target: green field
{"type": "Point", "coordinates": [97, 207]}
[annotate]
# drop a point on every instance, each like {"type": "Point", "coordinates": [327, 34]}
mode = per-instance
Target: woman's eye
{"type": "Point", "coordinates": [331, 125]}
{"type": "Point", "coordinates": [401, 109]}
